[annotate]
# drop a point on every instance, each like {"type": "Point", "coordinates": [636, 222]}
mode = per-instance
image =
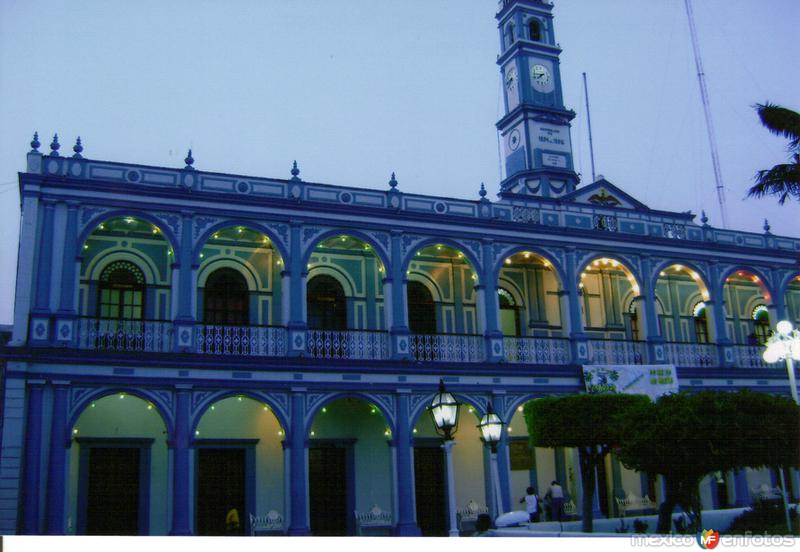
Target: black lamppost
{"type": "Point", "coordinates": [491, 428]}
{"type": "Point", "coordinates": [444, 411]}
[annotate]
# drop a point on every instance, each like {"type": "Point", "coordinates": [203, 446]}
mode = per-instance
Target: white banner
{"type": "Point", "coordinates": [652, 380]}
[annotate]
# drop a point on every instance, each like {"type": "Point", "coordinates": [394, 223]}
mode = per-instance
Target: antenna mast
{"type": "Point", "coordinates": [589, 120]}
{"type": "Point", "coordinates": [701, 77]}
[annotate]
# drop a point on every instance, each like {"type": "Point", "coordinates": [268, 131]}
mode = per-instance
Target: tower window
{"type": "Point", "coordinates": [226, 298]}
{"type": "Point", "coordinates": [509, 38]}
{"type": "Point", "coordinates": [535, 30]}
{"type": "Point", "coordinates": [121, 292]}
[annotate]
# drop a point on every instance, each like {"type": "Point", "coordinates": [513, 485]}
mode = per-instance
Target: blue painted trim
{"type": "Point", "coordinates": [56, 484]}
{"type": "Point", "coordinates": [33, 462]}
{"type": "Point", "coordinates": [45, 258]}
{"type": "Point", "coordinates": [181, 522]}
{"type": "Point", "coordinates": [136, 212]}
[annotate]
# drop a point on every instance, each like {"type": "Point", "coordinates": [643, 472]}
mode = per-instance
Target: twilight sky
{"type": "Point", "coordinates": [356, 89]}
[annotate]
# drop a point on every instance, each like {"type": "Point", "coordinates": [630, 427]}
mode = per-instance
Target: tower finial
{"type": "Point", "coordinates": [35, 143]}
{"type": "Point", "coordinates": [77, 148]}
{"type": "Point", "coordinates": [482, 192]}
{"type": "Point", "coordinates": [295, 171]}
{"type": "Point", "coordinates": [704, 218]}
{"type": "Point", "coordinates": [393, 182]}
{"type": "Point", "coordinates": [54, 145]}
{"type": "Point", "coordinates": [189, 160]}
{"type": "Point", "coordinates": [766, 226]}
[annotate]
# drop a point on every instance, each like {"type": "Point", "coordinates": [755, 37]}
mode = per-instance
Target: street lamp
{"type": "Point", "coordinates": [491, 428]}
{"type": "Point", "coordinates": [444, 411]}
{"type": "Point", "coordinates": [785, 345]}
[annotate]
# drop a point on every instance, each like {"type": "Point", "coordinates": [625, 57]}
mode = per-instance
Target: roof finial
{"type": "Point", "coordinates": [54, 145]}
{"type": "Point", "coordinates": [295, 171]}
{"type": "Point", "coordinates": [704, 218]}
{"type": "Point", "coordinates": [77, 148]}
{"type": "Point", "coordinates": [189, 160]}
{"type": "Point", "coordinates": [35, 143]}
{"type": "Point", "coordinates": [393, 181]}
{"type": "Point", "coordinates": [766, 226]}
{"type": "Point", "coordinates": [482, 193]}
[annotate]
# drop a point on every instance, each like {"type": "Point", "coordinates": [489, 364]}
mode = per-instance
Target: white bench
{"type": "Point", "coordinates": [270, 523]}
{"type": "Point", "coordinates": [468, 516]}
{"type": "Point", "coordinates": [633, 503]}
{"type": "Point", "coordinates": [374, 522]}
{"type": "Point", "coordinates": [765, 492]}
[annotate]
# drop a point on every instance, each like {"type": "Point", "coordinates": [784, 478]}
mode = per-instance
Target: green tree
{"type": "Point", "coordinates": [591, 423]}
{"type": "Point", "coordinates": [781, 180]}
{"type": "Point", "coordinates": [685, 437]}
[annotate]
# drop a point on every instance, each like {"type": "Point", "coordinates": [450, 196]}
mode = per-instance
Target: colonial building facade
{"type": "Point", "coordinates": [188, 342]}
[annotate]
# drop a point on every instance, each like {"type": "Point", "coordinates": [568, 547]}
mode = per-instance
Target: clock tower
{"type": "Point", "coordinates": [535, 129]}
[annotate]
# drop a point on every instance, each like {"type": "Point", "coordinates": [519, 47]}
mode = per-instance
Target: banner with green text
{"type": "Point", "coordinates": [652, 380]}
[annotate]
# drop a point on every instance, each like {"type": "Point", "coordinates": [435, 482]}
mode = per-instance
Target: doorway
{"type": "Point", "coordinates": [220, 487]}
{"type": "Point", "coordinates": [429, 486]}
{"type": "Point", "coordinates": [112, 493]}
{"type": "Point", "coordinates": [330, 498]}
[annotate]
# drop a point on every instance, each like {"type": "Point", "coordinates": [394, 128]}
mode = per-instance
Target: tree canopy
{"type": "Point", "coordinates": [782, 180]}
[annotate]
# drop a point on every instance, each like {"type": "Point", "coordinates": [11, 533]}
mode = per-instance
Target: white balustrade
{"type": "Point", "coordinates": [690, 354]}
{"type": "Point", "coordinates": [609, 351]}
{"type": "Point", "coordinates": [749, 356]}
{"type": "Point", "coordinates": [241, 340]}
{"type": "Point", "coordinates": [110, 334]}
{"type": "Point", "coordinates": [447, 347]}
{"type": "Point", "coordinates": [348, 344]}
{"type": "Point", "coordinates": [537, 350]}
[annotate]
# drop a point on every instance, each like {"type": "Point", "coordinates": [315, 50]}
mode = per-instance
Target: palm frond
{"type": "Point", "coordinates": [781, 121]}
{"type": "Point", "coordinates": [781, 180]}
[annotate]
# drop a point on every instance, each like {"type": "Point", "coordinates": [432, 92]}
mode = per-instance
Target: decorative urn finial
{"type": "Point", "coordinates": [704, 218]}
{"type": "Point", "coordinates": [482, 192]}
{"type": "Point", "coordinates": [766, 226]}
{"type": "Point", "coordinates": [189, 160]}
{"type": "Point", "coordinates": [295, 171]}
{"type": "Point", "coordinates": [35, 143]}
{"type": "Point", "coordinates": [77, 148]}
{"type": "Point", "coordinates": [54, 145]}
{"type": "Point", "coordinates": [393, 182]}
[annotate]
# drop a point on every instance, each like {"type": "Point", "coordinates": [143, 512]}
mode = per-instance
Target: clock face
{"type": "Point", "coordinates": [511, 78]}
{"type": "Point", "coordinates": [541, 79]}
{"type": "Point", "coordinates": [513, 140]}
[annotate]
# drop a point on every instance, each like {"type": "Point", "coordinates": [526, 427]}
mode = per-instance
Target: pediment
{"type": "Point", "coordinates": [602, 193]}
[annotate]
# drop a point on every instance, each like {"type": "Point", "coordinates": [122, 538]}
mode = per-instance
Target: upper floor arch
{"type": "Point", "coordinates": [268, 237]}
{"type": "Point", "coordinates": [446, 249]}
{"type": "Point", "coordinates": [158, 226]}
{"type": "Point", "coordinates": [348, 240]}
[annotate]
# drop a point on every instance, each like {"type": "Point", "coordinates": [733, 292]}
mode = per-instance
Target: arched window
{"type": "Point", "coordinates": [121, 292]}
{"type": "Point", "coordinates": [327, 305]}
{"type": "Point", "coordinates": [226, 299]}
{"type": "Point", "coordinates": [509, 38]}
{"type": "Point", "coordinates": [535, 30]}
{"type": "Point", "coordinates": [421, 309]}
{"type": "Point", "coordinates": [700, 323]}
{"type": "Point", "coordinates": [509, 314]}
{"type": "Point", "coordinates": [761, 331]}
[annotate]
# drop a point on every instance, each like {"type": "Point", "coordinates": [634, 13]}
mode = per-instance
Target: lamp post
{"type": "Point", "coordinates": [785, 345]}
{"type": "Point", "coordinates": [491, 428]}
{"type": "Point", "coordinates": [444, 411]}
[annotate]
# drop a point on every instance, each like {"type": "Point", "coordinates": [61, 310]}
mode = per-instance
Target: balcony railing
{"type": "Point", "coordinates": [690, 354]}
{"type": "Point", "coordinates": [611, 351]}
{"type": "Point", "coordinates": [537, 350]}
{"type": "Point", "coordinates": [111, 334]}
{"type": "Point", "coordinates": [749, 356]}
{"type": "Point", "coordinates": [447, 347]}
{"type": "Point", "coordinates": [349, 344]}
{"type": "Point", "coordinates": [241, 340]}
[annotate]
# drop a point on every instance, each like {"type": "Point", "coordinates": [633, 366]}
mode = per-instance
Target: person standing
{"type": "Point", "coordinates": [531, 501]}
{"type": "Point", "coordinates": [556, 500]}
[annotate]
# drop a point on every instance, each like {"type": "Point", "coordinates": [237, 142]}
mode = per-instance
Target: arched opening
{"type": "Point", "coordinates": [118, 470]}
{"type": "Point", "coordinates": [535, 30]}
{"type": "Point", "coordinates": [747, 318]}
{"type": "Point", "coordinates": [121, 292]}
{"type": "Point", "coordinates": [700, 317]}
{"type": "Point", "coordinates": [470, 470]}
{"type": "Point", "coordinates": [761, 325]}
{"type": "Point", "coordinates": [443, 301]}
{"type": "Point", "coordinates": [679, 289]}
{"type": "Point", "coordinates": [349, 465]}
{"type": "Point", "coordinates": [792, 299]}
{"type": "Point", "coordinates": [509, 314]}
{"type": "Point", "coordinates": [509, 35]}
{"type": "Point", "coordinates": [421, 309]}
{"type": "Point", "coordinates": [239, 466]}
{"type": "Point", "coordinates": [226, 299]}
{"type": "Point", "coordinates": [327, 304]}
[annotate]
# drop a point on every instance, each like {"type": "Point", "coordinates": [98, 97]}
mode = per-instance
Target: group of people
{"type": "Point", "coordinates": [552, 504]}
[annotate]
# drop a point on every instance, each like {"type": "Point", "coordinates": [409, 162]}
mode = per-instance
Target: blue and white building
{"type": "Point", "coordinates": [187, 342]}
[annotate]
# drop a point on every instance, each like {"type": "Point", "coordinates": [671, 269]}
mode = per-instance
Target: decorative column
{"type": "Point", "coordinates": [184, 278]}
{"type": "Point", "coordinates": [57, 468]}
{"type": "Point", "coordinates": [33, 453]}
{"type": "Point", "coordinates": [67, 314]}
{"type": "Point", "coordinates": [181, 476]}
{"type": "Point", "coordinates": [503, 460]}
{"type": "Point", "coordinates": [406, 522]}
{"type": "Point", "coordinates": [655, 342]}
{"type": "Point", "coordinates": [396, 284]}
{"type": "Point", "coordinates": [490, 305]}
{"type": "Point", "coordinates": [574, 296]}
{"type": "Point", "coordinates": [447, 447]}
{"type": "Point", "coordinates": [296, 325]}
{"type": "Point", "coordinates": [716, 306]}
{"type": "Point", "coordinates": [27, 252]}
{"type": "Point", "coordinates": [40, 314]}
{"type": "Point", "coordinates": [299, 472]}
{"type": "Point", "coordinates": [741, 488]}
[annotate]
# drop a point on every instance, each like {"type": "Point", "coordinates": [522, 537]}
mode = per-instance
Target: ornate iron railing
{"type": "Point", "coordinates": [111, 334]}
{"type": "Point", "coordinates": [447, 347]}
{"type": "Point", "coordinates": [537, 350]}
{"type": "Point", "coordinates": [611, 351]}
{"type": "Point", "coordinates": [690, 354]}
{"type": "Point", "coordinates": [749, 356]}
{"type": "Point", "coordinates": [241, 340]}
{"type": "Point", "coordinates": [349, 344]}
